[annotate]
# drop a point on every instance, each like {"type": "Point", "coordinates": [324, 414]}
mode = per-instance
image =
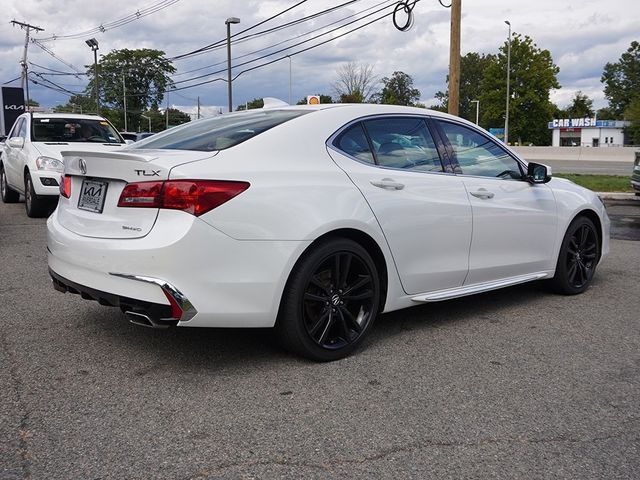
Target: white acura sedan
{"type": "Point", "coordinates": [314, 220]}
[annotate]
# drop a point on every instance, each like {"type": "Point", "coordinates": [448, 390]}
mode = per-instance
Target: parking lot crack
{"type": "Point", "coordinates": [403, 449]}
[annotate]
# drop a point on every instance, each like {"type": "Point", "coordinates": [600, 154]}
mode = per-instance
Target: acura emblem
{"type": "Point", "coordinates": [83, 166]}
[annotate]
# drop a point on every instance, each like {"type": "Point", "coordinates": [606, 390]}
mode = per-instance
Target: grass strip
{"type": "Point", "coordinates": [599, 183]}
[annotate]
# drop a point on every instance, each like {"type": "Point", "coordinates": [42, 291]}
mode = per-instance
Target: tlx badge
{"type": "Point", "coordinates": [144, 173]}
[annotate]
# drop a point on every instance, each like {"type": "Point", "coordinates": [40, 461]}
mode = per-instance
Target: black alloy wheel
{"type": "Point", "coordinates": [578, 257]}
{"type": "Point", "coordinates": [331, 301]}
{"type": "Point", "coordinates": [581, 256]}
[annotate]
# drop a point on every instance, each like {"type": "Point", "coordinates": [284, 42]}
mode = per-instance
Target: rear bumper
{"type": "Point", "coordinates": [160, 314]}
{"type": "Point", "coordinates": [230, 283]}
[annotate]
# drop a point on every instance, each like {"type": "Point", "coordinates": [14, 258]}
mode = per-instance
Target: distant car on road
{"type": "Point", "coordinates": [635, 175]}
{"type": "Point", "coordinates": [31, 163]}
{"type": "Point", "coordinates": [133, 136]}
{"type": "Point", "coordinates": [313, 220]}
{"type": "Point", "coordinates": [143, 135]}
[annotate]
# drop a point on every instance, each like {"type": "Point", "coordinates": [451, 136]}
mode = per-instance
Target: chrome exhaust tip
{"type": "Point", "coordinates": [143, 320]}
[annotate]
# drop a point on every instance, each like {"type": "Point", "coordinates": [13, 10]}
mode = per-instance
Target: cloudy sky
{"type": "Point", "coordinates": [582, 36]}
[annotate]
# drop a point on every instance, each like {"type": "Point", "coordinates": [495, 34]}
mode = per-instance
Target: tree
{"type": "Point", "coordinates": [606, 113]}
{"type": "Point", "coordinates": [159, 120]}
{"type": "Point", "coordinates": [356, 83]}
{"type": "Point", "coordinates": [255, 103]}
{"type": "Point", "coordinates": [533, 75]}
{"type": "Point", "coordinates": [632, 113]}
{"type": "Point", "coordinates": [145, 73]}
{"type": "Point", "coordinates": [622, 80]}
{"type": "Point", "coordinates": [472, 68]}
{"type": "Point", "coordinates": [77, 104]}
{"type": "Point", "coordinates": [581, 107]}
{"type": "Point", "coordinates": [398, 90]}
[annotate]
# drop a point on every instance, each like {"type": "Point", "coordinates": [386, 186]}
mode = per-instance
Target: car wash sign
{"type": "Point", "coordinates": [572, 122]}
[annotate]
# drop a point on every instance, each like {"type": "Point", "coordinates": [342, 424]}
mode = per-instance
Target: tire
{"type": "Point", "coordinates": [330, 302]}
{"type": "Point", "coordinates": [35, 205]}
{"type": "Point", "coordinates": [578, 258]}
{"type": "Point", "coordinates": [8, 195]}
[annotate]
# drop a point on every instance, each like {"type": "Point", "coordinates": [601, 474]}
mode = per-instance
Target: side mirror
{"type": "Point", "coordinates": [129, 142]}
{"type": "Point", "coordinates": [538, 173]}
{"type": "Point", "coordinates": [2, 138]}
{"type": "Point", "coordinates": [16, 142]}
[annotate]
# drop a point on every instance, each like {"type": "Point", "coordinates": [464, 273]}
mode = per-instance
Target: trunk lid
{"type": "Point", "coordinates": [97, 180]}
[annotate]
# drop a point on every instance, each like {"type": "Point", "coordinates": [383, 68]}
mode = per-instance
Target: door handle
{"type": "Point", "coordinates": [482, 193]}
{"type": "Point", "coordinates": [388, 184]}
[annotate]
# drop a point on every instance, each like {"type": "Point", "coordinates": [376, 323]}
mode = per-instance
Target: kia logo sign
{"type": "Point", "coordinates": [14, 107]}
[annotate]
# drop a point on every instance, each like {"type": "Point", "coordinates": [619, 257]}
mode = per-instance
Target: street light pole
{"type": "Point", "coordinates": [93, 44]}
{"type": "Point", "coordinates": [477, 102]}
{"type": "Point", "coordinates": [506, 116]}
{"type": "Point", "coordinates": [228, 23]}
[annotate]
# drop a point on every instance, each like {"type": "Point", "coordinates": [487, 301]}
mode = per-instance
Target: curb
{"type": "Point", "coordinates": [619, 198]}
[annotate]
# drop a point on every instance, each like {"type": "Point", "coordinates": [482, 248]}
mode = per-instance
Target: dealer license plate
{"type": "Point", "coordinates": [92, 195]}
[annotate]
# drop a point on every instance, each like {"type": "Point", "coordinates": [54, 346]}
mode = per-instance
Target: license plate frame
{"type": "Point", "coordinates": [92, 195]}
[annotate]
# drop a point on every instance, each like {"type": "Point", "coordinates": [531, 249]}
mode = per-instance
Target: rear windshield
{"type": "Point", "coordinates": [70, 130]}
{"type": "Point", "coordinates": [219, 133]}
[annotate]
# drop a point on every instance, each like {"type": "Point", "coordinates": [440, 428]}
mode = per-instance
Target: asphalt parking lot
{"type": "Point", "coordinates": [517, 383]}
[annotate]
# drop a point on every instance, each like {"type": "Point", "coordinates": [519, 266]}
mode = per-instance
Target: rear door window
{"type": "Point", "coordinates": [403, 143]}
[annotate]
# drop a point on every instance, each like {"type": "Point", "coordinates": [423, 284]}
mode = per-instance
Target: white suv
{"type": "Point", "coordinates": [30, 159]}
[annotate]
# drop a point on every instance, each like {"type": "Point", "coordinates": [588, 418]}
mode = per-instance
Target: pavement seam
{"type": "Point", "coordinates": [18, 387]}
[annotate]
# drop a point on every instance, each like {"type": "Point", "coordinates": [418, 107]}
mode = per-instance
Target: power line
{"type": "Point", "coordinates": [52, 85]}
{"type": "Point", "coordinates": [291, 46]}
{"type": "Point", "coordinates": [140, 13]}
{"type": "Point", "coordinates": [57, 72]}
{"type": "Point", "coordinates": [208, 47]}
{"type": "Point", "coordinates": [290, 54]}
{"type": "Point", "coordinates": [36, 42]}
{"type": "Point", "coordinates": [11, 81]}
{"type": "Point", "coordinates": [265, 32]}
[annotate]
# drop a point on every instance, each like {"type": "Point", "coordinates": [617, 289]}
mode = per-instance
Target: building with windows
{"type": "Point", "coordinates": [587, 132]}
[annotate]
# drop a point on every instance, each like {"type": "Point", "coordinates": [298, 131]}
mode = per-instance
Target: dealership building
{"type": "Point", "coordinates": [587, 132]}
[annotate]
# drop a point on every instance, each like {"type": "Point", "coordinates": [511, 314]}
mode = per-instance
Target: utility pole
{"type": "Point", "coordinates": [124, 98]}
{"type": "Point", "coordinates": [228, 22]}
{"type": "Point", "coordinates": [24, 83]}
{"type": "Point", "coordinates": [198, 108]}
{"type": "Point", "coordinates": [454, 58]}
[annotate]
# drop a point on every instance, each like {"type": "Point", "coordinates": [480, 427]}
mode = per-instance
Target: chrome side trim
{"type": "Point", "coordinates": [188, 310]}
{"type": "Point", "coordinates": [465, 290]}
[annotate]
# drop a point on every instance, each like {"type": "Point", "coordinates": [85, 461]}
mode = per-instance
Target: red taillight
{"type": "Point", "coordinates": [65, 186]}
{"type": "Point", "coordinates": [192, 196]}
{"type": "Point", "coordinates": [143, 194]}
